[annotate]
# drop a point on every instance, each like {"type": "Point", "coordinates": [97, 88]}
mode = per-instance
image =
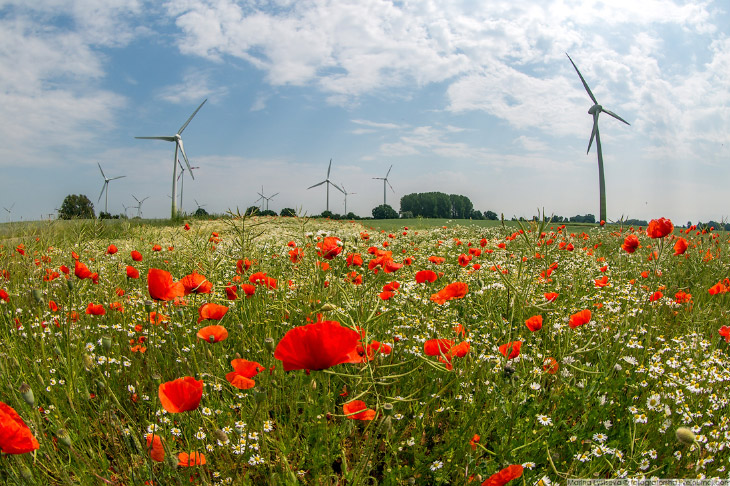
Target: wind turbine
{"type": "Point", "coordinates": [182, 180]}
{"type": "Point", "coordinates": [200, 206]}
{"type": "Point", "coordinates": [139, 205]}
{"type": "Point", "coordinates": [10, 211]}
{"type": "Point", "coordinates": [177, 138]}
{"type": "Point", "coordinates": [125, 210]}
{"type": "Point", "coordinates": [329, 183]}
{"type": "Point", "coordinates": [385, 181]}
{"type": "Point", "coordinates": [596, 110]}
{"type": "Point", "coordinates": [346, 193]}
{"type": "Point", "coordinates": [105, 187]}
{"type": "Point", "coordinates": [267, 199]}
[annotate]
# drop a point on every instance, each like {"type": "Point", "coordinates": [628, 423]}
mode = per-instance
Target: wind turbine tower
{"type": "Point", "coordinates": [105, 188]}
{"type": "Point", "coordinates": [385, 181]}
{"type": "Point", "coordinates": [329, 183]}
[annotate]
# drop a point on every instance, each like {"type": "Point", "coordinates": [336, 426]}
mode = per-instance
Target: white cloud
{"type": "Point", "coordinates": [194, 87]}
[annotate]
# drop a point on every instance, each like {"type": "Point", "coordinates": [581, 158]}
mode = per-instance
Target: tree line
{"type": "Point", "coordinates": [441, 205]}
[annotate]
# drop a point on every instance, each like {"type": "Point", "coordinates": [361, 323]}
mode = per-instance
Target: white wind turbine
{"type": "Point", "coordinates": [329, 183]}
{"type": "Point", "coordinates": [346, 194]}
{"type": "Point", "coordinates": [105, 187]}
{"type": "Point", "coordinates": [139, 205]}
{"type": "Point", "coordinates": [177, 138]}
{"type": "Point", "coordinates": [181, 178]}
{"type": "Point", "coordinates": [267, 199]}
{"type": "Point", "coordinates": [10, 211]}
{"type": "Point", "coordinates": [385, 181]}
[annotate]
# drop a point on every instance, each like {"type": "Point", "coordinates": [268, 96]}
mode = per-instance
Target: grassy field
{"type": "Point", "coordinates": [537, 353]}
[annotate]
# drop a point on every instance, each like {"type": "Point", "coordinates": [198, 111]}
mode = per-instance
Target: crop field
{"type": "Point", "coordinates": [307, 351]}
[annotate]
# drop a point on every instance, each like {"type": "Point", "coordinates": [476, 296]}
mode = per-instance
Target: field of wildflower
{"type": "Point", "coordinates": [305, 351]}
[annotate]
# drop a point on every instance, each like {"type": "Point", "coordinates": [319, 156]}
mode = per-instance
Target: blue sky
{"type": "Point", "coordinates": [467, 97]}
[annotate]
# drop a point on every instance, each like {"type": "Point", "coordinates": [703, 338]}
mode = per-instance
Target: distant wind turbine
{"type": "Point", "coordinates": [105, 187]}
{"type": "Point", "coordinates": [329, 183]}
{"type": "Point", "coordinates": [385, 181]}
{"type": "Point", "coordinates": [177, 138]}
{"type": "Point", "coordinates": [596, 110]}
{"type": "Point", "coordinates": [10, 212]}
{"type": "Point", "coordinates": [200, 206]}
{"type": "Point", "coordinates": [346, 194]}
{"type": "Point", "coordinates": [267, 199]}
{"type": "Point", "coordinates": [139, 205]}
{"type": "Point", "coordinates": [181, 178]}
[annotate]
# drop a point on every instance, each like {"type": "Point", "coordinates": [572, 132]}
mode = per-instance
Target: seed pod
{"type": "Point", "coordinates": [27, 393]}
{"type": "Point", "coordinates": [327, 307]}
{"type": "Point", "coordinates": [269, 344]}
{"type": "Point", "coordinates": [106, 343]}
{"type": "Point", "coordinates": [63, 437]}
{"type": "Point", "coordinates": [686, 436]}
{"type": "Point", "coordinates": [37, 296]}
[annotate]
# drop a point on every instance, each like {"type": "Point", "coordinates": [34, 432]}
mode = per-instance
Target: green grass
{"type": "Point", "coordinates": [627, 380]}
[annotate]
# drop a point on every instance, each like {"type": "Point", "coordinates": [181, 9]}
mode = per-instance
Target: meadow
{"type": "Point", "coordinates": [305, 351]}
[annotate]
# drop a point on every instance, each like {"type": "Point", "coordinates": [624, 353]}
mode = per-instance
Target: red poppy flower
{"type": "Point", "coordinates": [504, 476]}
{"type": "Point", "coordinates": [196, 283]}
{"type": "Point", "coordinates": [260, 278]}
{"type": "Point", "coordinates": [52, 305]}
{"type": "Point", "coordinates": [156, 248]}
{"type": "Point", "coordinates": [390, 266]}
{"type": "Point", "coordinates": [95, 309]}
{"type": "Point", "coordinates": [550, 365]}
{"type": "Point", "coordinates": [534, 323]}
{"type": "Point", "coordinates": [231, 291]}
{"type": "Point", "coordinates": [4, 295]}
{"type": "Point", "coordinates": [437, 260]}
{"type": "Point", "coordinates": [464, 259]}
{"type": "Point", "coordinates": [358, 410]}
{"type": "Point", "coordinates": [213, 334]}
{"type": "Point", "coordinates": [682, 297]}
{"type": "Point", "coordinates": [354, 259]}
{"type": "Point", "coordinates": [211, 311]}
{"type": "Point", "coordinates": [456, 290]}
{"type": "Point", "coordinates": [659, 228]}
{"type": "Point", "coordinates": [680, 247]}
{"type": "Point", "coordinates": [601, 282]}
{"type": "Point", "coordinates": [190, 460]}
{"type": "Point", "coordinates": [317, 346]}
{"type": "Point", "coordinates": [181, 395]}
{"type": "Point", "coordinates": [631, 243]}
{"type": "Point", "coordinates": [136, 256]}
{"type": "Point", "coordinates": [580, 318]}
{"type": "Point", "coordinates": [655, 296]}
{"type": "Point", "coordinates": [243, 265]}
{"type": "Point", "coordinates": [725, 332]}
{"type": "Point", "coordinates": [296, 255]}
{"type": "Point", "coordinates": [437, 347]}
{"type": "Point", "coordinates": [511, 350]}
{"type": "Point", "coordinates": [64, 269]}
{"type": "Point", "coordinates": [157, 450]}
{"type": "Point", "coordinates": [187, 227]}
{"type": "Point", "coordinates": [474, 441]}
{"type": "Point", "coordinates": [386, 294]}
{"type": "Point", "coordinates": [132, 272]}
{"type": "Point", "coordinates": [161, 286]}
{"type": "Point", "coordinates": [426, 276]}
{"type": "Point", "coordinates": [15, 436]}
{"type": "Point", "coordinates": [248, 289]}
{"type": "Point", "coordinates": [329, 247]}
{"type": "Point", "coordinates": [81, 270]}
{"type": "Point", "coordinates": [354, 278]}
{"type": "Point", "coordinates": [551, 296]}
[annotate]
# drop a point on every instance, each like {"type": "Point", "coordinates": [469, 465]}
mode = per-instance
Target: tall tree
{"type": "Point", "coordinates": [76, 206]}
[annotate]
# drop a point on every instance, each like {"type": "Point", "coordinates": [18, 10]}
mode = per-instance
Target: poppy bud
{"type": "Point", "coordinates": [106, 343]}
{"type": "Point", "coordinates": [70, 285]}
{"type": "Point", "coordinates": [508, 371]}
{"type": "Point", "coordinates": [387, 409]}
{"type": "Point", "coordinates": [57, 350]}
{"type": "Point", "coordinates": [238, 355]}
{"type": "Point", "coordinates": [63, 437]}
{"type": "Point", "coordinates": [148, 306]}
{"type": "Point", "coordinates": [99, 384]}
{"type": "Point", "coordinates": [269, 344]}
{"type": "Point", "coordinates": [259, 395]}
{"type": "Point", "coordinates": [686, 436]}
{"type": "Point", "coordinates": [328, 307]}
{"type": "Point", "coordinates": [37, 296]}
{"type": "Point", "coordinates": [314, 385]}
{"type": "Point", "coordinates": [88, 361]}
{"type": "Point", "coordinates": [156, 377]}
{"type": "Point", "coordinates": [27, 394]}
{"type": "Point", "coordinates": [221, 436]}
{"type": "Point", "coordinates": [180, 313]}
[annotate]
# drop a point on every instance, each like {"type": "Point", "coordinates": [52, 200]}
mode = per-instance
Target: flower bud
{"type": "Point", "coordinates": [148, 306]}
{"type": "Point", "coordinates": [269, 344]}
{"type": "Point", "coordinates": [27, 394]}
{"type": "Point", "coordinates": [686, 436]}
{"type": "Point", "coordinates": [221, 436]}
{"type": "Point", "coordinates": [106, 343]}
{"type": "Point", "coordinates": [328, 307]}
{"type": "Point", "coordinates": [387, 409]}
{"type": "Point", "coordinates": [88, 361]}
{"type": "Point", "coordinates": [63, 437]}
{"type": "Point", "coordinates": [70, 285]}
{"type": "Point", "coordinates": [259, 395]}
{"type": "Point", "coordinates": [37, 296]}
{"type": "Point", "coordinates": [25, 472]}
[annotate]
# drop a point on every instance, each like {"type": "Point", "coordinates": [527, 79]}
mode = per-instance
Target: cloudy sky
{"type": "Point", "coordinates": [468, 97]}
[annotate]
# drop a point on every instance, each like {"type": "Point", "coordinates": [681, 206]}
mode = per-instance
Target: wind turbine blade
{"type": "Point", "coordinates": [102, 172]}
{"type": "Point", "coordinates": [102, 191]}
{"type": "Point", "coordinates": [117, 177]}
{"type": "Point", "coordinates": [310, 187]}
{"type": "Point", "coordinates": [328, 169]}
{"type": "Point", "coordinates": [585, 85]}
{"type": "Point", "coordinates": [391, 187]}
{"type": "Point", "coordinates": [135, 198]}
{"type": "Point", "coordinates": [185, 157]}
{"type": "Point", "coordinates": [379, 178]}
{"type": "Point", "coordinates": [593, 133]}
{"type": "Point", "coordinates": [386, 175]}
{"type": "Point", "coordinates": [166, 139]}
{"type": "Point", "coordinates": [615, 116]}
{"type": "Point", "coordinates": [191, 117]}
{"type": "Point", "coordinates": [338, 188]}
{"type": "Point", "coordinates": [275, 194]}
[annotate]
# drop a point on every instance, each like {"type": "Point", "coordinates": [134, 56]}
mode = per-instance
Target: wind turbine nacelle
{"type": "Point", "coordinates": [595, 109]}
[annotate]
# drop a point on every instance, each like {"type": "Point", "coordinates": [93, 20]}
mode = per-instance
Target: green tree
{"type": "Point", "coordinates": [491, 215]}
{"type": "Point", "coordinates": [288, 212]}
{"type": "Point", "coordinates": [76, 206]}
{"type": "Point", "coordinates": [384, 211]}
{"type": "Point", "coordinates": [200, 213]}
